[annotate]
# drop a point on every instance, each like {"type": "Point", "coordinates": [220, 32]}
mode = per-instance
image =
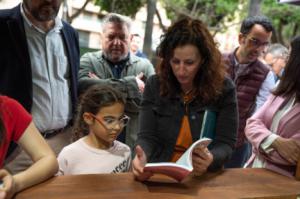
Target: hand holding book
{"type": "Point", "coordinates": [139, 163]}
{"type": "Point", "coordinates": [184, 166]}
{"type": "Point", "coordinates": [197, 158]}
{"type": "Point", "coordinates": [202, 158]}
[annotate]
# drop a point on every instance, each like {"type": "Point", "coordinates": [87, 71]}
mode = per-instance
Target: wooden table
{"type": "Point", "coordinates": [231, 184]}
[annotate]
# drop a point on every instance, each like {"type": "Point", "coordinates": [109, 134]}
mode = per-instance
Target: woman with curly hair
{"type": "Point", "coordinates": [191, 79]}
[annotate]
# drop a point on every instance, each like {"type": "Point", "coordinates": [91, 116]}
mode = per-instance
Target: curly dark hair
{"type": "Point", "coordinates": [290, 81]}
{"type": "Point", "coordinates": [209, 79]}
{"type": "Point", "coordinates": [95, 98]}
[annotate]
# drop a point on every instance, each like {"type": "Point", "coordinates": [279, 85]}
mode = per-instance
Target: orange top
{"type": "Point", "coordinates": [184, 140]}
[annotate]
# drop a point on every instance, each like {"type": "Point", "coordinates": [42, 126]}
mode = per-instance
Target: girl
{"type": "Point", "coordinates": [16, 125]}
{"type": "Point", "coordinates": [100, 119]}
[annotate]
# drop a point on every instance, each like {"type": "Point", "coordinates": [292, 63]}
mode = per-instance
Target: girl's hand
{"type": "Point", "coordinates": [201, 159]}
{"type": "Point", "coordinates": [8, 188]}
{"type": "Point", "coordinates": [138, 165]}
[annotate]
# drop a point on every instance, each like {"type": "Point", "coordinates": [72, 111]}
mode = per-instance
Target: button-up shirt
{"type": "Point", "coordinates": [51, 109]}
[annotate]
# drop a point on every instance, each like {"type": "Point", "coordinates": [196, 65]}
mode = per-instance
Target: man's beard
{"type": "Point", "coordinates": [41, 16]}
{"type": "Point", "coordinates": [113, 60]}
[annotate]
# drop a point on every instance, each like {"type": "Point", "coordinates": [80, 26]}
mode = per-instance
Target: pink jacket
{"type": "Point", "coordinates": [257, 129]}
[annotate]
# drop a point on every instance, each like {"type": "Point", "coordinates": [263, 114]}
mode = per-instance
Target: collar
{"type": "Point", "coordinates": [236, 62]}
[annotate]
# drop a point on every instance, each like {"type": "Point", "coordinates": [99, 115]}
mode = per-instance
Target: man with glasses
{"type": "Point", "coordinates": [276, 57]}
{"type": "Point", "coordinates": [252, 78]}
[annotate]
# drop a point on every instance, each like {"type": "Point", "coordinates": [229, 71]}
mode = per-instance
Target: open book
{"type": "Point", "coordinates": [182, 167]}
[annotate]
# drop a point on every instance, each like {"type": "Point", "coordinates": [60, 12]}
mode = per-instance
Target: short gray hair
{"type": "Point", "coordinates": [277, 50]}
{"type": "Point", "coordinates": [116, 18]}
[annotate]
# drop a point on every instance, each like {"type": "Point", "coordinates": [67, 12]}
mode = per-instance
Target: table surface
{"type": "Point", "coordinates": [230, 183]}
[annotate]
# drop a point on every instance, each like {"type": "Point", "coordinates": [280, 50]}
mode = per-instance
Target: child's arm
{"type": "Point", "coordinates": [45, 163]}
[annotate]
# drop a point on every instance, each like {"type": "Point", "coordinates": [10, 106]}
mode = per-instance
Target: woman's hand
{"type": "Point", "coordinates": [8, 188]}
{"type": "Point", "coordinates": [288, 148]}
{"type": "Point", "coordinates": [201, 159]}
{"type": "Point", "coordinates": [138, 165]}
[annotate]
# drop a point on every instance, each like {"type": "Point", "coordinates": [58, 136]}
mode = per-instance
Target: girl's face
{"type": "Point", "coordinates": [185, 64]}
{"type": "Point", "coordinates": [106, 125]}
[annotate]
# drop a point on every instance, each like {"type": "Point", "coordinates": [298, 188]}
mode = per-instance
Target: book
{"type": "Point", "coordinates": [208, 128]}
{"type": "Point", "coordinates": [182, 167]}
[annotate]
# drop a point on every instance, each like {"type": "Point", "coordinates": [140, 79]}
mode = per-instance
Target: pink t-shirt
{"type": "Point", "coordinates": [80, 158]}
{"type": "Point", "coordinates": [15, 119]}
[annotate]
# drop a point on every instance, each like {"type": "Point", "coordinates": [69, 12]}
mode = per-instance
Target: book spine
{"type": "Point", "coordinates": [203, 124]}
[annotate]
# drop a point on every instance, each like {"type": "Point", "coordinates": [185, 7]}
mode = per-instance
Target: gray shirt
{"type": "Point", "coordinates": [51, 109]}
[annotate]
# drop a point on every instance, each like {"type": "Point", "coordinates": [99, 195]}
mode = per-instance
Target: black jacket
{"type": "Point", "coordinates": [160, 122]}
{"type": "Point", "coordinates": [15, 66]}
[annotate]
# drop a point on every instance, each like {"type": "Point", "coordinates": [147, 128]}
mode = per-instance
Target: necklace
{"type": "Point", "coordinates": [188, 96]}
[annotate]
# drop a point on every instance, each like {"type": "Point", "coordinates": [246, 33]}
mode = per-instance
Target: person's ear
{"type": "Point", "coordinates": [88, 118]}
{"type": "Point", "coordinates": [242, 39]}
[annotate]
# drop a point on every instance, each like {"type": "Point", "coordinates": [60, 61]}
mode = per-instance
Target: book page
{"type": "Point", "coordinates": [182, 167]}
{"type": "Point", "coordinates": [186, 158]}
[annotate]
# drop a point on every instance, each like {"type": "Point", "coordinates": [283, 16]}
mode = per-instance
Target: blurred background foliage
{"type": "Point", "coordinates": [219, 15]}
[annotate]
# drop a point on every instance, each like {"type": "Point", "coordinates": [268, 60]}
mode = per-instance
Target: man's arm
{"type": "Point", "coordinates": [90, 64]}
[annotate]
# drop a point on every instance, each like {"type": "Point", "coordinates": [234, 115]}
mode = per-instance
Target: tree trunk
{"type": "Point", "coordinates": [254, 7]}
{"type": "Point", "coordinates": [65, 14]}
{"type": "Point", "coordinates": [279, 31]}
{"type": "Point", "coordinates": [151, 8]}
{"type": "Point", "coordinates": [160, 21]}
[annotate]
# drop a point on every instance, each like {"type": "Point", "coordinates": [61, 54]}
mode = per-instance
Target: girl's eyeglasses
{"type": "Point", "coordinates": [111, 123]}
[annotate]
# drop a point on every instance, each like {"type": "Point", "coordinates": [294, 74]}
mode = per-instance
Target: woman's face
{"type": "Point", "coordinates": [185, 64]}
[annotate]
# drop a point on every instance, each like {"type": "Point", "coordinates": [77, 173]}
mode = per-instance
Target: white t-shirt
{"type": "Point", "coordinates": [80, 158]}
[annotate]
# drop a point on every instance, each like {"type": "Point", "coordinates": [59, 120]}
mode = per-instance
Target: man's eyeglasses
{"type": "Point", "coordinates": [111, 123]}
{"type": "Point", "coordinates": [255, 42]}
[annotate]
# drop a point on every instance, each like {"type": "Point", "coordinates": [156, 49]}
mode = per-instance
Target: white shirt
{"type": "Point", "coordinates": [51, 108]}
